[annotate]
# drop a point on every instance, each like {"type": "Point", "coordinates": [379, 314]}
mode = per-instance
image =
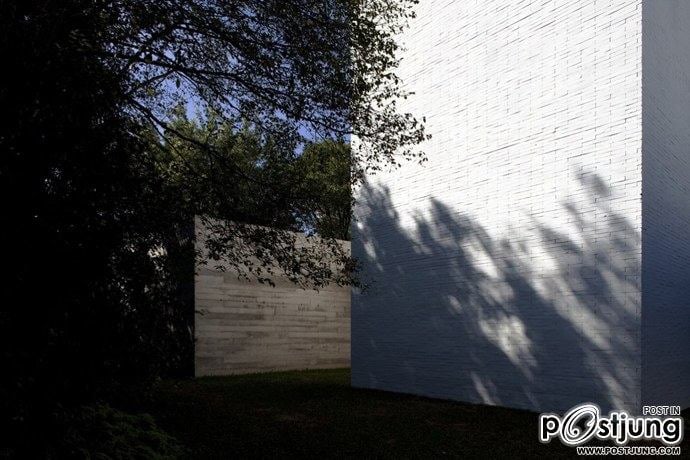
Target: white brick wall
{"type": "Point", "coordinates": [507, 269]}
{"type": "Point", "coordinates": [666, 203]}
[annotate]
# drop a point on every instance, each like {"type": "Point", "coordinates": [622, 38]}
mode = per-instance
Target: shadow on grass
{"type": "Point", "coordinates": [318, 414]}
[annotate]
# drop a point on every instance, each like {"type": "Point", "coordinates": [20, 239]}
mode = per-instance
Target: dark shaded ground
{"type": "Point", "coordinates": [318, 414]}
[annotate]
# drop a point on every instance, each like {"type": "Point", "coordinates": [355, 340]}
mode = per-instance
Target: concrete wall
{"type": "Point", "coordinates": [244, 327]}
{"type": "Point", "coordinates": [666, 204]}
{"type": "Point", "coordinates": [506, 270]}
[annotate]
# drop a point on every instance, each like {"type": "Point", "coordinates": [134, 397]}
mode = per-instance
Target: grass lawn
{"type": "Point", "coordinates": [318, 414]}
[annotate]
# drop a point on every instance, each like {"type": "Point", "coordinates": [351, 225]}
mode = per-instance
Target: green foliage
{"type": "Point", "coordinates": [250, 178]}
{"type": "Point", "coordinates": [326, 188]}
{"type": "Point", "coordinates": [325, 68]}
{"type": "Point", "coordinates": [298, 192]}
{"type": "Point", "coordinates": [279, 190]}
{"type": "Point", "coordinates": [102, 432]}
{"type": "Point", "coordinates": [100, 182]}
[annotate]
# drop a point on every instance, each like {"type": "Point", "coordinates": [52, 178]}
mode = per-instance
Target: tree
{"type": "Point", "coordinates": [97, 213]}
{"type": "Point", "coordinates": [328, 198]}
{"type": "Point", "coordinates": [319, 178]}
{"type": "Point", "coordinates": [264, 196]}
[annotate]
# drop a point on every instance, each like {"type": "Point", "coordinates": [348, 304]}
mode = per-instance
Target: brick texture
{"type": "Point", "coordinates": [507, 269]}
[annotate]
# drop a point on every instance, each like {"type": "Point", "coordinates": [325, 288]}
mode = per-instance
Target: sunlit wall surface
{"type": "Point", "coordinates": [508, 269]}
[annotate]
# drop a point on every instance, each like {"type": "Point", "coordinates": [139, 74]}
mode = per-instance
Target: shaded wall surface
{"type": "Point", "coordinates": [245, 327]}
{"type": "Point", "coordinates": [666, 202]}
{"type": "Point", "coordinates": [507, 269]}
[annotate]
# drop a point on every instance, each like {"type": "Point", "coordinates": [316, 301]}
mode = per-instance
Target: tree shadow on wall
{"type": "Point", "coordinates": [544, 319]}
